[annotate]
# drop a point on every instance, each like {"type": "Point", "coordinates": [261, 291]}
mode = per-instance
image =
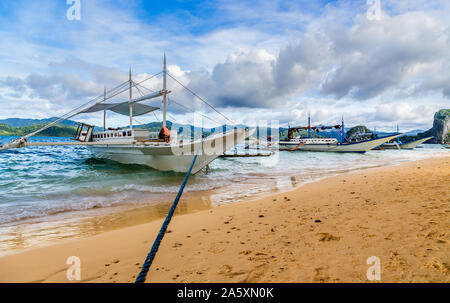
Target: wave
{"type": "Point", "coordinates": [37, 184]}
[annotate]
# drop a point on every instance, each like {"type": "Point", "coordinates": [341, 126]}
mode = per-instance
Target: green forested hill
{"type": "Point", "coordinates": [56, 130]}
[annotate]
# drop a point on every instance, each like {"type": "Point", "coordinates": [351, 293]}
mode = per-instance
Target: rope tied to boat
{"type": "Point", "coordinates": [151, 255]}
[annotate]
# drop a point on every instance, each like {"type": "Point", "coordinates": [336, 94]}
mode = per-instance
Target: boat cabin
{"type": "Point", "coordinates": [140, 135]}
{"type": "Point", "coordinates": [84, 132]}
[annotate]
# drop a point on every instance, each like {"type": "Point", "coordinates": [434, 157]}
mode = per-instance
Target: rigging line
{"type": "Point", "coordinates": [71, 113]}
{"type": "Point", "coordinates": [191, 110]}
{"type": "Point", "coordinates": [134, 117]}
{"type": "Point", "coordinates": [156, 117]}
{"type": "Point", "coordinates": [201, 99]}
{"type": "Point", "coordinates": [142, 95]}
{"type": "Point", "coordinates": [142, 86]}
{"type": "Point", "coordinates": [85, 104]}
{"type": "Point", "coordinates": [172, 117]}
{"type": "Point", "coordinates": [113, 92]}
{"type": "Point", "coordinates": [63, 117]}
{"type": "Point", "coordinates": [139, 90]}
{"type": "Point", "coordinates": [189, 120]}
{"type": "Point", "coordinates": [149, 78]}
{"type": "Point", "coordinates": [138, 121]}
{"type": "Point", "coordinates": [118, 93]}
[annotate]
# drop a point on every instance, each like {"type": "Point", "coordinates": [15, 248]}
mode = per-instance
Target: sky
{"type": "Point", "coordinates": [377, 65]}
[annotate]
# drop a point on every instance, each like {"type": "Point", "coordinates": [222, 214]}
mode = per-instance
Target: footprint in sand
{"type": "Point", "coordinates": [327, 237]}
{"type": "Point", "coordinates": [256, 273]}
{"type": "Point", "coordinates": [438, 265]}
{"type": "Point", "coordinates": [215, 248]}
{"type": "Point", "coordinates": [321, 274]}
{"type": "Point", "coordinates": [227, 270]}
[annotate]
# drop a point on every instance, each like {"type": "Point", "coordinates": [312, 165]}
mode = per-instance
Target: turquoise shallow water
{"type": "Point", "coordinates": [40, 182]}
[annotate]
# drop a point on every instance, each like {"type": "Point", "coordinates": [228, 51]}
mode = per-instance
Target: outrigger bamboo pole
{"type": "Point", "coordinates": [165, 92]}
{"type": "Point", "coordinates": [131, 104]}
{"type": "Point", "coordinates": [104, 112]}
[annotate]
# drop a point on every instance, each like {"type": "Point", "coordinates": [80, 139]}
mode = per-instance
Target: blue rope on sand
{"type": "Point", "coordinates": [151, 255]}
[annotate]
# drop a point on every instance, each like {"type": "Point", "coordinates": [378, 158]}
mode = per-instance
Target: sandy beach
{"type": "Point", "coordinates": [320, 232]}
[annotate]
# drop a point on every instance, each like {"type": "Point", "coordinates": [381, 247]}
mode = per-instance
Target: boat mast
{"type": "Point", "coordinates": [398, 138]}
{"type": "Point", "coordinates": [309, 124]}
{"type": "Point", "coordinates": [104, 112]}
{"type": "Point", "coordinates": [131, 104]}
{"type": "Point", "coordinates": [165, 91]}
{"type": "Point", "coordinates": [342, 130]}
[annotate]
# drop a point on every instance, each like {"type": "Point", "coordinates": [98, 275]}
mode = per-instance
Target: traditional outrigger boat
{"type": "Point", "coordinates": [297, 143]}
{"type": "Point", "coordinates": [161, 151]}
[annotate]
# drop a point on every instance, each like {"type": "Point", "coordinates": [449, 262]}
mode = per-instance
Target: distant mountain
{"type": "Point", "coordinates": [19, 122]}
{"type": "Point", "coordinates": [53, 131]}
{"type": "Point", "coordinates": [413, 132]}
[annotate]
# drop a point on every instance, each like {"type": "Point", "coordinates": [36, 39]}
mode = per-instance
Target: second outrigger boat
{"type": "Point", "coordinates": [400, 145]}
{"type": "Point", "coordinates": [297, 143]}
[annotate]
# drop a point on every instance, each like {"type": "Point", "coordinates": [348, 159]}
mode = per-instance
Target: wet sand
{"type": "Point", "coordinates": [320, 232]}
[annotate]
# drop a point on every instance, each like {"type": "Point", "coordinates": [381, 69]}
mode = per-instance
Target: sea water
{"type": "Point", "coordinates": [41, 183]}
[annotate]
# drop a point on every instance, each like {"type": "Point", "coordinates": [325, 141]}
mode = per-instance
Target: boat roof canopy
{"type": "Point", "coordinates": [122, 108]}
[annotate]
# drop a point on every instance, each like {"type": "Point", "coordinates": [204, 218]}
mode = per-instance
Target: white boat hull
{"type": "Point", "coordinates": [169, 156]}
{"type": "Point", "coordinates": [358, 147]}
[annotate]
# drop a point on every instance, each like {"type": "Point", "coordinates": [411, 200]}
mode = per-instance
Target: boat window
{"type": "Point", "coordinates": [124, 133]}
{"type": "Point", "coordinates": [129, 133]}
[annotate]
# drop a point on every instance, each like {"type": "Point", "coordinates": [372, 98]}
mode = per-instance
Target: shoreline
{"type": "Point", "coordinates": [276, 238]}
{"type": "Point", "coordinates": [117, 217]}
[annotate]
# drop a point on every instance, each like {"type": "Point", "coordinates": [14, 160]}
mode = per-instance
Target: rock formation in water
{"type": "Point", "coordinates": [440, 130]}
{"type": "Point", "coordinates": [441, 126]}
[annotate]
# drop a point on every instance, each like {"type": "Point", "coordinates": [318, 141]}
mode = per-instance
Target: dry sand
{"type": "Point", "coordinates": [320, 232]}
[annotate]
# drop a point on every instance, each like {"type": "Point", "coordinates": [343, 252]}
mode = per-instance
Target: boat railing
{"type": "Point", "coordinates": [113, 134]}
